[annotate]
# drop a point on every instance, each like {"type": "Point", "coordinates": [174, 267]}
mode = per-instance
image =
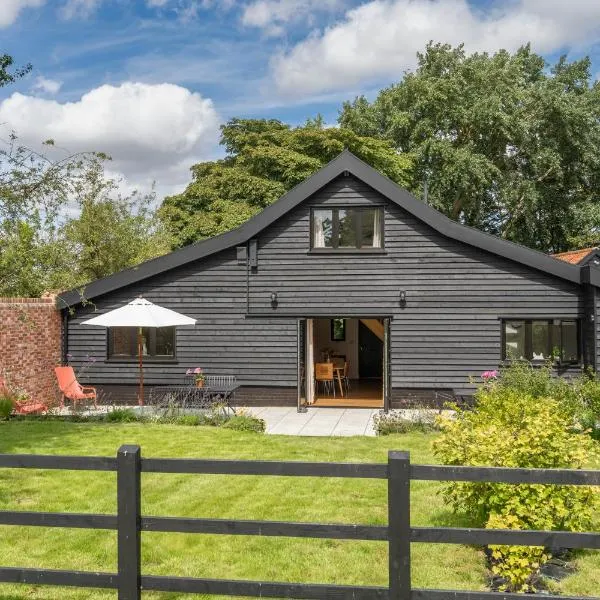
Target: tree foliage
{"type": "Point", "coordinates": [504, 144]}
{"type": "Point", "coordinates": [264, 159]}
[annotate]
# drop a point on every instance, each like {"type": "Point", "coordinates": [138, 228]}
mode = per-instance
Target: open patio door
{"type": "Point", "coordinates": [387, 366]}
{"type": "Point", "coordinates": [305, 364]}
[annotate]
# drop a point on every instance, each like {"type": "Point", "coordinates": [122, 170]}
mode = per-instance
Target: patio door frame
{"type": "Point", "coordinates": [387, 364]}
{"type": "Point", "coordinates": [305, 356]}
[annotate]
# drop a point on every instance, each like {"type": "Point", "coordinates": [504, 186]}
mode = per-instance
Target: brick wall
{"type": "Point", "coordinates": [30, 345]}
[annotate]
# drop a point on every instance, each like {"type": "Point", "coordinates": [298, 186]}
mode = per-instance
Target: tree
{"type": "Point", "coordinates": [503, 144]}
{"type": "Point", "coordinates": [6, 76]}
{"type": "Point", "coordinates": [62, 222]}
{"type": "Point", "coordinates": [264, 159]}
{"type": "Point", "coordinates": [111, 232]}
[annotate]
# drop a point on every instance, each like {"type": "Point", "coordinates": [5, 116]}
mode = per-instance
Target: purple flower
{"type": "Point", "coordinates": [69, 356]}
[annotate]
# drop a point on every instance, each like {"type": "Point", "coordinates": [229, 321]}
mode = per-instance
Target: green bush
{"type": "Point", "coordinates": [394, 422]}
{"type": "Point", "coordinates": [7, 405]}
{"type": "Point", "coordinates": [245, 423]}
{"type": "Point", "coordinates": [122, 415]}
{"type": "Point", "coordinates": [189, 420]}
{"type": "Point", "coordinates": [509, 427]}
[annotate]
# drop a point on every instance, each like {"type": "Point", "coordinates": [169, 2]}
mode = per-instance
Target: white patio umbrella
{"type": "Point", "coordinates": [140, 313]}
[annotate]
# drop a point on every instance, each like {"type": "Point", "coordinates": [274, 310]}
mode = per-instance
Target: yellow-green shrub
{"type": "Point", "coordinates": [507, 428]}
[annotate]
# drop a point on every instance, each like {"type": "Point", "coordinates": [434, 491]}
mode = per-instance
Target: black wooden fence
{"type": "Point", "coordinates": [129, 523]}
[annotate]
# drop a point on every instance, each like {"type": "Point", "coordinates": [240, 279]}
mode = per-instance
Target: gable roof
{"type": "Point", "coordinates": [576, 257]}
{"type": "Point", "coordinates": [344, 162]}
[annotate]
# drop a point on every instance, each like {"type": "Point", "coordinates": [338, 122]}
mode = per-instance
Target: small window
{"type": "Point", "coordinates": [157, 343]}
{"type": "Point", "coordinates": [338, 330]}
{"type": "Point", "coordinates": [541, 340]}
{"type": "Point", "coordinates": [347, 228]}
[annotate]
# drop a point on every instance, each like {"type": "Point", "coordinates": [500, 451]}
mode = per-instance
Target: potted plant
{"type": "Point", "coordinates": [199, 377]}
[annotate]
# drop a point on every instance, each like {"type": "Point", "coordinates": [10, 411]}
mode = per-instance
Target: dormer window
{"type": "Point", "coordinates": [347, 228]}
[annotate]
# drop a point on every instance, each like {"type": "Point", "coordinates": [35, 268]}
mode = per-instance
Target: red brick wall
{"type": "Point", "coordinates": [30, 345]}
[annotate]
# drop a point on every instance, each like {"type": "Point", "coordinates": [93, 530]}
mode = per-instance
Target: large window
{"type": "Point", "coordinates": [347, 228]}
{"type": "Point", "coordinates": [157, 343]}
{"type": "Point", "coordinates": [541, 340]}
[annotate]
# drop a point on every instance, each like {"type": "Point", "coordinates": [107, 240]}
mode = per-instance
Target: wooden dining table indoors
{"type": "Point", "coordinates": [337, 373]}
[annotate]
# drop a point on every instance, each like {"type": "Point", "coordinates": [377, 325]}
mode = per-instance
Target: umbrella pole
{"type": "Point", "coordinates": [141, 392]}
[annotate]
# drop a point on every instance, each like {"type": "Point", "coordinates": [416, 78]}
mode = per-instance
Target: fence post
{"type": "Point", "coordinates": [399, 525]}
{"type": "Point", "coordinates": [128, 522]}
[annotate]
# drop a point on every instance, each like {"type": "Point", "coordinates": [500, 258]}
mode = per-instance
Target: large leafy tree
{"type": "Point", "coordinates": [264, 159]}
{"type": "Point", "coordinates": [503, 143]}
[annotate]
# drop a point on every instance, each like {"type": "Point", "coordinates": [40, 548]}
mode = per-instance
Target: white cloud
{"type": "Point", "coordinates": [10, 9]}
{"type": "Point", "coordinates": [46, 86]}
{"type": "Point", "coordinates": [152, 132]}
{"type": "Point", "coordinates": [379, 39]}
{"type": "Point", "coordinates": [272, 15]}
{"type": "Point", "coordinates": [79, 9]}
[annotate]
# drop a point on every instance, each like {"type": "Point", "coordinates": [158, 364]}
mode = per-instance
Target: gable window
{"type": "Point", "coordinates": [157, 343]}
{"type": "Point", "coordinates": [347, 228]}
{"type": "Point", "coordinates": [541, 340]}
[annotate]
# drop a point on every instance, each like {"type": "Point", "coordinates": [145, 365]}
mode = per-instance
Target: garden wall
{"type": "Point", "coordinates": [30, 345]}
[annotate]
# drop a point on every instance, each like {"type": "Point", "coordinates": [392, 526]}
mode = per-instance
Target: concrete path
{"type": "Point", "coordinates": [317, 421]}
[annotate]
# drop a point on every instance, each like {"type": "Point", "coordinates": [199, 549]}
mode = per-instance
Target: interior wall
{"type": "Point", "coordinates": [349, 347]}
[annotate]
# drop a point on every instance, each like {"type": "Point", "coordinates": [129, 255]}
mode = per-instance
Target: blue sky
{"type": "Point", "coordinates": [149, 81]}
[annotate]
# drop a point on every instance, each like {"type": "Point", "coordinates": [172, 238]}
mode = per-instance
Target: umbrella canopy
{"type": "Point", "coordinates": [140, 313]}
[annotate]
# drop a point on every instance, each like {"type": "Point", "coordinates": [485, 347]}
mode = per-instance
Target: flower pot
{"type": "Point", "coordinates": [200, 383]}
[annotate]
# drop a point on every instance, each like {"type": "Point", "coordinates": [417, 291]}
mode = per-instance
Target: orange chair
{"type": "Point", "coordinates": [23, 407]}
{"type": "Point", "coordinates": [70, 388]}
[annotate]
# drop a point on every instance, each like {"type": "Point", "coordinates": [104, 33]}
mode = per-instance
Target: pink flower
{"type": "Point", "coordinates": [197, 370]}
{"type": "Point", "coordinates": [489, 375]}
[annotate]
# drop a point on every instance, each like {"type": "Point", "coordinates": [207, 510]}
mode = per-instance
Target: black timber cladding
{"type": "Point", "coordinates": [344, 163]}
{"type": "Point", "coordinates": [448, 331]}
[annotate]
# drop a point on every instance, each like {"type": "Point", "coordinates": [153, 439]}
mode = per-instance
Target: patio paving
{"type": "Point", "coordinates": [317, 421]}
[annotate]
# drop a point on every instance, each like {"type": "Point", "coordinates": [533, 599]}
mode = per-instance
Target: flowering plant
{"type": "Point", "coordinates": [487, 375]}
{"type": "Point", "coordinates": [198, 375]}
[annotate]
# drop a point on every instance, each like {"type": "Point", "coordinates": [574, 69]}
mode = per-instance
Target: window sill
{"type": "Point", "coordinates": [145, 360]}
{"type": "Point", "coordinates": [555, 364]}
{"type": "Point", "coordinates": [338, 251]}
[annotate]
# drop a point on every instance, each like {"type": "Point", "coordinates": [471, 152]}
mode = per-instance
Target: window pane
{"type": "Point", "coordinates": [165, 341]}
{"type": "Point", "coordinates": [338, 330]}
{"type": "Point", "coordinates": [514, 340]}
{"type": "Point", "coordinates": [347, 228]}
{"type": "Point", "coordinates": [540, 332]}
{"type": "Point", "coordinates": [570, 347]}
{"type": "Point", "coordinates": [121, 341]}
{"type": "Point", "coordinates": [370, 235]}
{"type": "Point", "coordinates": [322, 229]}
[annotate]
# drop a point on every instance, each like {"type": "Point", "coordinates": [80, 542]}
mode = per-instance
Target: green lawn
{"type": "Point", "coordinates": [271, 498]}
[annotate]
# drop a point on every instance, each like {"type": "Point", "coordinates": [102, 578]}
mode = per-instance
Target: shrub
{"type": "Point", "coordinates": [395, 422]}
{"type": "Point", "coordinates": [189, 420]}
{"type": "Point", "coordinates": [511, 428]}
{"type": "Point", "coordinates": [121, 415]}
{"type": "Point", "coordinates": [245, 423]}
{"type": "Point", "coordinates": [7, 405]}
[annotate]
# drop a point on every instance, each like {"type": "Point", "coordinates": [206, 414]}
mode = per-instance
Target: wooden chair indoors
{"type": "Point", "coordinates": [346, 378]}
{"type": "Point", "coordinates": [324, 375]}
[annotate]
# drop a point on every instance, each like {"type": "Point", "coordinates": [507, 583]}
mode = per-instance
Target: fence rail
{"type": "Point", "coordinates": [399, 534]}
